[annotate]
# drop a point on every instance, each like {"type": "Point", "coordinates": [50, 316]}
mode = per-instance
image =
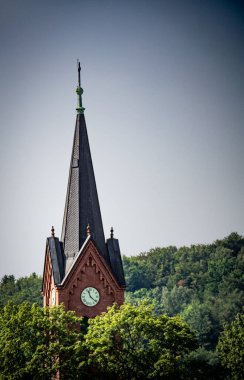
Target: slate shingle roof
{"type": "Point", "coordinates": [82, 205]}
{"type": "Point", "coordinates": [57, 258]}
{"type": "Point", "coordinates": [82, 208]}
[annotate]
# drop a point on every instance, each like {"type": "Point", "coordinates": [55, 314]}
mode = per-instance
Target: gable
{"type": "Point", "coordinates": [89, 257]}
{"type": "Point", "coordinates": [89, 270]}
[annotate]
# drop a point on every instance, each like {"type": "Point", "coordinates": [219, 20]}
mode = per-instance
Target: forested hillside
{"type": "Point", "coordinates": [24, 289]}
{"type": "Point", "coordinates": [202, 283]}
{"type": "Point", "coordinates": [185, 321]}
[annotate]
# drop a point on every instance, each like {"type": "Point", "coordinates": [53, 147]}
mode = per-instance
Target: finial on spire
{"type": "Point", "coordinates": [79, 91]}
{"type": "Point", "coordinates": [111, 233]}
{"type": "Point", "coordinates": [79, 69]}
{"type": "Point", "coordinates": [53, 231]}
{"type": "Point", "coordinates": [88, 230]}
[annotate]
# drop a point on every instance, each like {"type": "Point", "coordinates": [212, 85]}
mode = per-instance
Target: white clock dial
{"type": "Point", "coordinates": [53, 296]}
{"type": "Point", "coordinates": [90, 296]}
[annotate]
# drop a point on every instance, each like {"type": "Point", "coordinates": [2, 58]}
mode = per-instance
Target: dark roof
{"type": "Point", "coordinates": [57, 258]}
{"type": "Point", "coordinates": [82, 208]}
{"type": "Point", "coordinates": [82, 205]}
{"type": "Point", "coordinates": [115, 260]}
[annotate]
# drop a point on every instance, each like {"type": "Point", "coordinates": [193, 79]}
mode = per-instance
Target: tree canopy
{"type": "Point", "coordinates": [231, 347]}
{"type": "Point", "coordinates": [192, 292]}
{"type": "Point", "coordinates": [37, 343]}
{"type": "Point", "coordinates": [133, 343]}
{"type": "Point", "coordinates": [202, 283]}
{"type": "Point", "coordinates": [24, 289]}
{"type": "Point", "coordinates": [128, 342]}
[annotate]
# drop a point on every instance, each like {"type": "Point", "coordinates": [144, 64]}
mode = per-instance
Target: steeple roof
{"type": "Point", "coordinates": [82, 205]}
{"type": "Point", "coordinates": [82, 216]}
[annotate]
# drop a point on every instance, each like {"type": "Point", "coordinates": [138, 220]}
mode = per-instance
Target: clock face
{"type": "Point", "coordinates": [53, 297]}
{"type": "Point", "coordinates": [90, 296]}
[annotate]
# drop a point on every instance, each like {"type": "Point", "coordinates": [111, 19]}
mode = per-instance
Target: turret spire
{"type": "Point", "coordinates": [79, 91]}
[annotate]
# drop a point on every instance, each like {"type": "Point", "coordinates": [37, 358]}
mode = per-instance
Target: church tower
{"type": "Point", "coordinates": [82, 270]}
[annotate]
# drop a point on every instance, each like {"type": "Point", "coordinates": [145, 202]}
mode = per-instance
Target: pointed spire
{"type": "Point", "coordinates": [82, 204]}
{"type": "Point", "coordinates": [79, 92]}
{"type": "Point", "coordinates": [53, 231]}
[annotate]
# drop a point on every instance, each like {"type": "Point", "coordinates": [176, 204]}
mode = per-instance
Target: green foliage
{"type": "Point", "coordinates": [234, 242]}
{"type": "Point", "coordinates": [202, 364]}
{"type": "Point", "coordinates": [37, 343]}
{"type": "Point", "coordinates": [175, 300]}
{"type": "Point", "coordinates": [203, 283]}
{"type": "Point", "coordinates": [152, 296]}
{"type": "Point", "coordinates": [198, 316]}
{"type": "Point", "coordinates": [137, 274]}
{"type": "Point", "coordinates": [231, 348]}
{"type": "Point", "coordinates": [126, 343]}
{"type": "Point", "coordinates": [133, 343]}
{"type": "Point", "coordinates": [23, 289]}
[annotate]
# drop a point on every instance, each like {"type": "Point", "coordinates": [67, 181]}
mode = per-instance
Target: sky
{"type": "Point", "coordinates": [163, 90]}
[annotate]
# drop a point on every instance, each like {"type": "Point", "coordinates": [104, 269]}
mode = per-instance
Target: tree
{"type": "Point", "coordinates": [7, 289]}
{"type": "Point", "coordinates": [177, 299]}
{"type": "Point", "coordinates": [24, 289]}
{"type": "Point", "coordinates": [38, 343]}
{"type": "Point", "coordinates": [203, 364]}
{"type": "Point", "coordinates": [137, 275]}
{"type": "Point", "coordinates": [174, 278]}
{"type": "Point", "coordinates": [198, 316]}
{"type": "Point", "coordinates": [152, 296]}
{"type": "Point", "coordinates": [230, 348]}
{"type": "Point", "coordinates": [234, 242]}
{"type": "Point", "coordinates": [132, 343]}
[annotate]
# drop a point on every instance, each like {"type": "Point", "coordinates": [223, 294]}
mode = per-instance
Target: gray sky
{"type": "Point", "coordinates": [163, 90]}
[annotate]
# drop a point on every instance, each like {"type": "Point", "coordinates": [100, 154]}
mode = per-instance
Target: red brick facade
{"type": "Point", "coordinates": [88, 269]}
{"type": "Point", "coordinates": [48, 280]}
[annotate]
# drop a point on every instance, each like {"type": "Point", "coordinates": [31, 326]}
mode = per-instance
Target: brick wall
{"type": "Point", "coordinates": [89, 270]}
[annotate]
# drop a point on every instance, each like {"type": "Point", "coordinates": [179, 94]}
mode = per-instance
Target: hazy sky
{"type": "Point", "coordinates": [163, 90]}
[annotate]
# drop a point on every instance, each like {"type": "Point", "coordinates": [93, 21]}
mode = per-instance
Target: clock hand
{"type": "Point", "coordinates": [91, 296]}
